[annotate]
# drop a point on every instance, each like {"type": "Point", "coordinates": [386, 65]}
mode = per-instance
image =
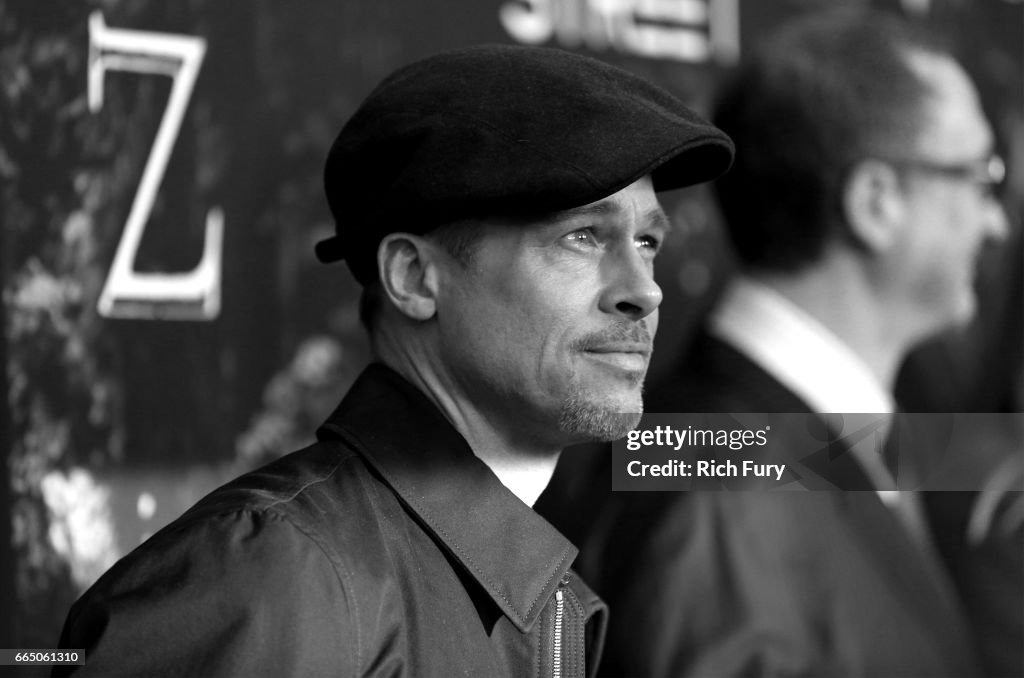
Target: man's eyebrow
{"type": "Point", "coordinates": [654, 217]}
{"type": "Point", "coordinates": [657, 218]}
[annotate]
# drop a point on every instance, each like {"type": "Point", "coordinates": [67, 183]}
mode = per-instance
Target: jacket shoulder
{"type": "Point", "coordinates": [294, 546]}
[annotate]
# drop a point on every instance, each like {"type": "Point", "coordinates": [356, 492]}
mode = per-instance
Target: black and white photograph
{"type": "Point", "coordinates": [484, 338]}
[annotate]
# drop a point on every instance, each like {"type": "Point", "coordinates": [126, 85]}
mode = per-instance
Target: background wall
{"type": "Point", "coordinates": [116, 421]}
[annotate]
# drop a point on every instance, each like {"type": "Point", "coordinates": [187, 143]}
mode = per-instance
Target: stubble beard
{"type": "Point", "coordinates": [594, 418]}
{"type": "Point", "coordinates": [591, 415]}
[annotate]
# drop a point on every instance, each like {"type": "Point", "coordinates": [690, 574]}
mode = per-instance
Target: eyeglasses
{"type": "Point", "coordinates": [988, 172]}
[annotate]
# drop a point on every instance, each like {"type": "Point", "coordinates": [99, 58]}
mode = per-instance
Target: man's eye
{"type": "Point", "coordinates": [583, 236]}
{"type": "Point", "coordinates": [648, 242]}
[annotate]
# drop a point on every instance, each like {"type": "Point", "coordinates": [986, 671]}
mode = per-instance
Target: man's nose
{"type": "Point", "coordinates": [631, 291]}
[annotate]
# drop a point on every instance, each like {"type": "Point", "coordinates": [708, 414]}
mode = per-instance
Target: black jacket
{"type": "Point", "coordinates": [386, 548]}
{"type": "Point", "coordinates": [817, 583]}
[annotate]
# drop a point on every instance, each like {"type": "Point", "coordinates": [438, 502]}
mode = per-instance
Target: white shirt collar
{"type": "Point", "coordinates": [805, 357]}
{"type": "Point", "coordinates": [796, 349]}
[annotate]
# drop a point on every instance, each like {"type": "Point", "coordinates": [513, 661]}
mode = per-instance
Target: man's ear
{"type": "Point", "coordinates": [409, 274]}
{"type": "Point", "coordinates": [873, 204]}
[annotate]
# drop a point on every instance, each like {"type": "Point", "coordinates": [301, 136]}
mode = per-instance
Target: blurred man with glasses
{"type": "Point", "coordinates": [861, 196]}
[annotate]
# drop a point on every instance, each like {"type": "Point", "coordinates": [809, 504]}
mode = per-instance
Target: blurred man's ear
{"type": "Point", "coordinates": [409, 274]}
{"type": "Point", "coordinates": [873, 204]}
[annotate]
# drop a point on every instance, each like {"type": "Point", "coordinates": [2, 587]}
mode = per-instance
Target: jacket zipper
{"type": "Point", "coordinates": [556, 663]}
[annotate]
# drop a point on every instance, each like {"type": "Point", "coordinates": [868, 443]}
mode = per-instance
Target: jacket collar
{"type": "Point", "coordinates": [514, 554]}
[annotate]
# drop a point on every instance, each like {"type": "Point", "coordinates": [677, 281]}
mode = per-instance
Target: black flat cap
{"type": "Point", "coordinates": [502, 130]}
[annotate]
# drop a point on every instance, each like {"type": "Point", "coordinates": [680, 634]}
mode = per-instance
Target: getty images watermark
{"type": "Point", "coordinates": [848, 451]}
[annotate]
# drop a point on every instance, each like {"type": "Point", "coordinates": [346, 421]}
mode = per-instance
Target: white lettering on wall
{"type": "Point", "coordinates": [188, 295]}
{"type": "Point", "coordinates": [684, 30]}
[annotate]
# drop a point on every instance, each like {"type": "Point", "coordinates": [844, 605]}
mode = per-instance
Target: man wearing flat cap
{"type": "Point", "coordinates": [498, 206]}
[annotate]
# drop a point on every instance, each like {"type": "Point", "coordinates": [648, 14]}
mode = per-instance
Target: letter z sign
{"type": "Point", "coordinates": [188, 295]}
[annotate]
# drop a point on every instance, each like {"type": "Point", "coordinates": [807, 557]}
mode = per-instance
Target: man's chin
{"type": "Point", "coordinates": [600, 419]}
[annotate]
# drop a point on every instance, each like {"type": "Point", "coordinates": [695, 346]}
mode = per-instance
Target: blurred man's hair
{"type": "Point", "coordinates": [828, 90]}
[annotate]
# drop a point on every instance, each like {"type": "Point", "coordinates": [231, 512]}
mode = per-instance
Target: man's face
{"type": "Point", "coordinates": [547, 330]}
{"type": "Point", "coordinates": [951, 211]}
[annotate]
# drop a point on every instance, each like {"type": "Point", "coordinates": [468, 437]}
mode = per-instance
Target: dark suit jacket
{"type": "Point", "coordinates": [755, 583]}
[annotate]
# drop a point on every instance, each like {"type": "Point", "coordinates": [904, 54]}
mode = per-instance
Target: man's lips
{"type": "Point", "coordinates": [621, 347]}
{"type": "Point", "coordinates": [630, 356]}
